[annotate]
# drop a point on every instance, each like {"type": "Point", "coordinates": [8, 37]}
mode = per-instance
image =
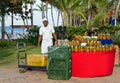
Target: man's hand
{"type": "Point", "coordinates": [39, 40]}
{"type": "Point", "coordinates": [38, 45]}
{"type": "Point", "coordinates": [56, 43]}
{"type": "Point", "coordinates": [55, 37]}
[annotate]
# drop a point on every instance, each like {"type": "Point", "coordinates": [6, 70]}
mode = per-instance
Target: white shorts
{"type": "Point", "coordinates": [45, 45]}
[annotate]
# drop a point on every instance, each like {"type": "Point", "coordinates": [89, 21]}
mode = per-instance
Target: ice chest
{"type": "Point", "coordinates": [36, 60]}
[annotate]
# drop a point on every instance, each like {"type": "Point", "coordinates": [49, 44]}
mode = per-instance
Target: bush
{"type": "Point", "coordinates": [116, 37]}
{"type": "Point", "coordinates": [6, 43]}
{"type": "Point", "coordinates": [109, 28]}
{"type": "Point", "coordinates": [32, 37]}
{"type": "Point", "coordinates": [72, 31]}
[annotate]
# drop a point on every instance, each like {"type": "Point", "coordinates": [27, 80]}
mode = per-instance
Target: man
{"type": "Point", "coordinates": [46, 35]}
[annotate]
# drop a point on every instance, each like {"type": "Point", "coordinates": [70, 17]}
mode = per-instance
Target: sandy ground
{"type": "Point", "coordinates": [13, 76]}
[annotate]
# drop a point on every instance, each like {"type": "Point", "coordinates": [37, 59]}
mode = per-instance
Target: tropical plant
{"type": "Point", "coordinates": [32, 37]}
{"type": "Point", "coordinates": [7, 7]}
{"type": "Point", "coordinates": [115, 9]}
{"type": "Point", "coordinates": [72, 31]}
{"type": "Point", "coordinates": [66, 7]}
{"type": "Point", "coordinates": [94, 12]}
{"type": "Point", "coordinates": [28, 13]}
{"type": "Point", "coordinates": [90, 10]}
{"type": "Point", "coordinates": [3, 7]}
{"type": "Point", "coordinates": [116, 38]}
{"type": "Point", "coordinates": [40, 9]}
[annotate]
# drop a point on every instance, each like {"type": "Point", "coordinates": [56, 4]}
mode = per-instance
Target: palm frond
{"type": "Point", "coordinates": [98, 19]}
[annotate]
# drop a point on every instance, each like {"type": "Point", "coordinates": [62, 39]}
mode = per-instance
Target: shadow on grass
{"type": "Point", "coordinates": [33, 50]}
{"type": "Point", "coordinates": [8, 56]}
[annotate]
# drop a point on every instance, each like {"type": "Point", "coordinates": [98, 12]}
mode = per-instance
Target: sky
{"type": "Point", "coordinates": [37, 17]}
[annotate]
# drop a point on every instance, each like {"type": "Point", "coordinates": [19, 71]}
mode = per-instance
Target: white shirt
{"type": "Point", "coordinates": [46, 32]}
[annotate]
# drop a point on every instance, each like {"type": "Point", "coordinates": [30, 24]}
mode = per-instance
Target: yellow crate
{"type": "Point", "coordinates": [36, 60]}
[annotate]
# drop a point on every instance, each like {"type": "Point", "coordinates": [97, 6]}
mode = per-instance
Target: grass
{"type": "Point", "coordinates": [8, 56]}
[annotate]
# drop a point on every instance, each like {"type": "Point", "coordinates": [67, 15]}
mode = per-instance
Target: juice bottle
{"type": "Point", "coordinates": [107, 48]}
{"type": "Point", "coordinates": [77, 43]}
{"type": "Point", "coordinates": [72, 48]}
{"type": "Point", "coordinates": [108, 36]}
{"type": "Point", "coordinates": [98, 49]}
{"type": "Point", "coordinates": [87, 49]}
{"type": "Point", "coordinates": [104, 37]}
{"type": "Point", "coordinates": [94, 49]}
{"type": "Point", "coordinates": [82, 49]}
{"type": "Point", "coordinates": [76, 49]}
{"type": "Point", "coordinates": [103, 48]}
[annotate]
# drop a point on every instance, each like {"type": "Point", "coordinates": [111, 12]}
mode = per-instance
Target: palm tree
{"type": "Point", "coordinates": [41, 8]}
{"type": "Point", "coordinates": [95, 10]}
{"type": "Point", "coordinates": [52, 15]}
{"type": "Point", "coordinates": [14, 7]}
{"type": "Point", "coordinates": [3, 7]}
{"type": "Point", "coordinates": [115, 9]}
{"type": "Point", "coordinates": [66, 7]}
{"type": "Point", "coordinates": [74, 10]}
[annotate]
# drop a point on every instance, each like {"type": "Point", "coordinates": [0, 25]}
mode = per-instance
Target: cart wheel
{"type": "Point", "coordinates": [22, 70]}
{"type": "Point", "coordinates": [47, 72]}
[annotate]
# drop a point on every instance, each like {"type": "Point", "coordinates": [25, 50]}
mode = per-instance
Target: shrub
{"type": "Point", "coordinates": [6, 43]}
{"type": "Point", "coordinates": [32, 37]}
{"type": "Point", "coordinates": [72, 31]}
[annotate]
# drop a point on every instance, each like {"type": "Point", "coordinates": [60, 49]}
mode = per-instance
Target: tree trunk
{"type": "Point", "coordinates": [31, 14]}
{"type": "Point", "coordinates": [12, 23]}
{"type": "Point", "coordinates": [74, 20]}
{"type": "Point", "coordinates": [62, 18]}
{"type": "Point", "coordinates": [46, 9]}
{"type": "Point", "coordinates": [58, 17]}
{"type": "Point", "coordinates": [65, 17]}
{"type": "Point", "coordinates": [52, 15]}
{"type": "Point", "coordinates": [89, 15]}
{"type": "Point", "coordinates": [3, 27]}
{"type": "Point", "coordinates": [70, 18]}
{"type": "Point", "coordinates": [116, 6]}
{"type": "Point", "coordinates": [43, 13]}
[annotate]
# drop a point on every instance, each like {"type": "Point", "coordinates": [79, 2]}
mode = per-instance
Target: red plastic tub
{"type": "Point", "coordinates": [92, 64]}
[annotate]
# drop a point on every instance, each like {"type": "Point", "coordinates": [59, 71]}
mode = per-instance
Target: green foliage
{"type": "Point", "coordinates": [6, 43]}
{"type": "Point", "coordinates": [114, 31]}
{"type": "Point", "coordinates": [98, 19]}
{"type": "Point", "coordinates": [116, 37]}
{"type": "Point", "coordinates": [72, 31]}
{"type": "Point", "coordinates": [109, 28]}
{"type": "Point", "coordinates": [31, 38]}
{"type": "Point", "coordinates": [33, 35]}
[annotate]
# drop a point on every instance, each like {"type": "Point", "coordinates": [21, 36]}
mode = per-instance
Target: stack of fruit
{"type": "Point", "coordinates": [90, 44]}
{"type": "Point", "coordinates": [103, 36]}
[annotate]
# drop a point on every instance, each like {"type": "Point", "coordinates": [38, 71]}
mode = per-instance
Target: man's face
{"type": "Point", "coordinates": [45, 23]}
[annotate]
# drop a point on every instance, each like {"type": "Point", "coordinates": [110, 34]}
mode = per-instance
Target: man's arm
{"type": "Point", "coordinates": [55, 37]}
{"type": "Point", "coordinates": [39, 40]}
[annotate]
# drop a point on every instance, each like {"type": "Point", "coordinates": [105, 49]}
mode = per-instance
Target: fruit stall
{"type": "Point", "coordinates": [92, 56]}
{"type": "Point", "coordinates": [85, 56]}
